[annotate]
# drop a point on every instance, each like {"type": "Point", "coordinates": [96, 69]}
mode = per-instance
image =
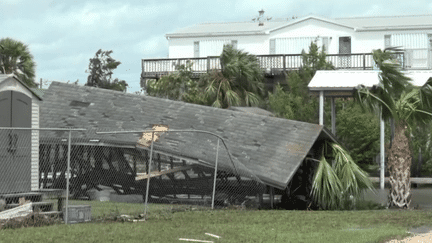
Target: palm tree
{"type": "Point", "coordinates": [396, 98]}
{"type": "Point", "coordinates": [240, 82]}
{"type": "Point", "coordinates": [338, 182]}
{"type": "Point", "coordinates": [15, 58]}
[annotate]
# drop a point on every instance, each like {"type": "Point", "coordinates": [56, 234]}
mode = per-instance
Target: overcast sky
{"type": "Point", "coordinates": [64, 35]}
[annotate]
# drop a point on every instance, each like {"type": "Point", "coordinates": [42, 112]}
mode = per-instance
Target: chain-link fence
{"type": "Point", "coordinates": [122, 172]}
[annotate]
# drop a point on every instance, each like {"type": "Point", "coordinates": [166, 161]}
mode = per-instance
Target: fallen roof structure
{"type": "Point", "coordinates": [269, 147]}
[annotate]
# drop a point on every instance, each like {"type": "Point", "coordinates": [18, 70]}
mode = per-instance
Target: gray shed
{"type": "Point", "coordinates": [19, 149]}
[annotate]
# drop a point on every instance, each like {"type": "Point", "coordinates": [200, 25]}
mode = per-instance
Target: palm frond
{"type": "Point", "coordinates": [210, 90]}
{"type": "Point", "coordinates": [370, 101]}
{"type": "Point", "coordinates": [353, 178]}
{"type": "Point", "coordinates": [232, 98]}
{"type": "Point", "coordinates": [251, 99]}
{"type": "Point", "coordinates": [326, 187]}
{"type": "Point", "coordinates": [426, 95]}
{"type": "Point", "coordinates": [392, 80]}
{"type": "Point", "coordinates": [217, 103]}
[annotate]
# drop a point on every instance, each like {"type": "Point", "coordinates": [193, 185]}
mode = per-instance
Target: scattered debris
{"type": "Point", "coordinates": [146, 137]}
{"type": "Point", "coordinates": [2, 204]}
{"type": "Point", "coordinates": [22, 201]}
{"type": "Point", "coordinates": [196, 240]}
{"type": "Point", "coordinates": [19, 211]}
{"type": "Point", "coordinates": [216, 236]}
{"type": "Point", "coordinates": [129, 218]}
{"type": "Point", "coordinates": [213, 235]}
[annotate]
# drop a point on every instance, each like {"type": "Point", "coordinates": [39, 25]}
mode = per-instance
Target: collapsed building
{"type": "Point", "coordinates": [258, 154]}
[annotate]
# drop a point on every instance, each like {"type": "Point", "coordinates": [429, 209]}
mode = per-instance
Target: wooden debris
{"type": "Point", "coordinates": [146, 137]}
{"type": "Point", "coordinates": [196, 240]}
{"type": "Point", "coordinates": [216, 236]}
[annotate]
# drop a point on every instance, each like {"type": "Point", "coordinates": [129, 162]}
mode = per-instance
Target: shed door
{"type": "Point", "coordinates": [15, 145]}
{"type": "Point", "coordinates": [345, 48]}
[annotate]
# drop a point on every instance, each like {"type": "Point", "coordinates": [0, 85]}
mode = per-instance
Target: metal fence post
{"type": "Point", "coordinates": [148, 177]}
{"type": "Point", "coordinates": [67, 177]}
{"type": "Point", "coordinates": [215, 174]}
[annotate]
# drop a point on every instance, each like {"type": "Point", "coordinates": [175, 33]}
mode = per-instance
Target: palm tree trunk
{"type": "Point", "coordinates": [399, 167]}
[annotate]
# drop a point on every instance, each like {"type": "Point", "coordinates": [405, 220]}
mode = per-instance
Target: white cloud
{"type": "Point", "coordinates": [152, 46]}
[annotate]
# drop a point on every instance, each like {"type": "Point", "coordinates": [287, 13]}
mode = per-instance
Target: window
{"type": "Point", "coordinates": [387, 41]}
{"type": "Point", "coordinates": [196, 49]}
{"type": "Point", "coordinates": [272, 46]}
{"type": "Point", "coordinates": [234, 44]}
{"type": "Point", "coordinates": [325, 44]}
{"type": "Point", "coordinates": [212, 47]}
{"type": "Point", "coordinates": [293, 45]}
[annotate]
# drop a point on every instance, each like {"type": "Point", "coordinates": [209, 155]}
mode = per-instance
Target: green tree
{"type": "Point", "coordinates": [293, 101]}
{"type": "Point", "coordinates": [239, 83]}
{"type": "Point", "coordinates": [359, 132]}
{"type": "Point", "coordinates": [420, 143]}
{"type": "Point", "coordinates": [15, 58]}
{"type": "Point", "coordinates": [178, 86]}
{"type": "Point", "coordinates": [100, 71]}
{"type": "Point", "coordinates": [395, 97]}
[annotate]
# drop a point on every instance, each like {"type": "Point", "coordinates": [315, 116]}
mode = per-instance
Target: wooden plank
{"type": "Point", "coordinates": [142, 176]}
{"type": "Point", "coordinates": [418, 180]}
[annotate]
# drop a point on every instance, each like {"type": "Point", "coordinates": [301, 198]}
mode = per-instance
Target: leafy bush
{"type": "Point", "coordinates": [359, 132]}
{"type": "Point", "coordinates": [294, 102]}
{"type": "Point", "coordinates": [178, 86]}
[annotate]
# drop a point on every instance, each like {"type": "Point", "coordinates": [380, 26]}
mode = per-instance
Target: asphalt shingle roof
{"type": "Point", "coordinates": [269, 147]}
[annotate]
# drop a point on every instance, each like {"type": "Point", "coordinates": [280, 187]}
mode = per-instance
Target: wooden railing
{"type": "Point", "coordinates": [417, 180]}
{"type": "Point", "coordinates": [271, 64]}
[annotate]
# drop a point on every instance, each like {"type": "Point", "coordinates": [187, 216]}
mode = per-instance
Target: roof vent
{"type": "Point", "coordinates": [260, 19]}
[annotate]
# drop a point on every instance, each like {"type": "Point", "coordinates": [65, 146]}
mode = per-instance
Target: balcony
{"type": "Point", "coordinates": [271, 64]}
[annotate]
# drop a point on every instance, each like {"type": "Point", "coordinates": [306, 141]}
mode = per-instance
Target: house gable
{"type": "Point", "coordinates": [314, 20]}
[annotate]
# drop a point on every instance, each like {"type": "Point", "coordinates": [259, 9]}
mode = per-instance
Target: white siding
{"type": "Point", "coordinates": [293, 38]}
{"type": "Point", "coordinates": [312, 29]}
{"type": "Point", "coordinates": [410, 40]}
{"type": "Point", "coordinates": [416, 48]}
{"type": "Point", "coordinates": [212, 47]}
{"type": "Point", "coordinates": [184, 47]}
{"type": "Point", "coordinates": [35, 145]}
{"type": "Point", "coordinates": [295, 45]}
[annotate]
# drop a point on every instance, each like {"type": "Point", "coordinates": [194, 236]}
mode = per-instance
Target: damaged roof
{"type": "Point", "coordinates": [270, 148]}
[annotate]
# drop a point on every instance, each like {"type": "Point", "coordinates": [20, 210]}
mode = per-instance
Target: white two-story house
{"type": "Point", "coordinates": [278, 43]}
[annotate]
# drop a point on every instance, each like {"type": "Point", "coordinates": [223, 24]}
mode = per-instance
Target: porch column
{"type": "Point", "coordinates": [382, 155]}
{"type": "Point", "coordinates": [333, 116]}
{"type": "Point", "coordinates": [321, 108]}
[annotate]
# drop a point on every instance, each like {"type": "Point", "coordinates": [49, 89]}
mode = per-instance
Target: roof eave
{"type": "Point", "coordinates": [317, 89]}
{"type": "Point", "coordinates": [382, 28]}
{"type": "Point", "coordinates": [25, 85]}
{"type": "Point", "coordinates": [188, 35]}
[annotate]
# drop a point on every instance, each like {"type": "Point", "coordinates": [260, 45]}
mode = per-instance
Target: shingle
{"type": "Point", "coordinates": [241, 130]}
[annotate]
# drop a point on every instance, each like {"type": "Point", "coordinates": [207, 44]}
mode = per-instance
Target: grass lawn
{"type": "Point", "coordinates": [168, 224]}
